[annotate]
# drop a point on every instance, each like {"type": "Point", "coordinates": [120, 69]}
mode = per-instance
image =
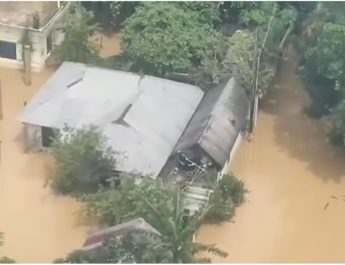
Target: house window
{"type": "Point", "coordinates": [8, 50]}
{"type": "Point", "coordinates": [49, 43]}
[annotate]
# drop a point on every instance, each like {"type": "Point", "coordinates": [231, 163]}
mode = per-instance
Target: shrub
{"type": "Point", "coordinates": [228, 194]}
{"type": "Point", "coordinates": [82, 160]}
{"type": "Point", "coordinates": [114, 206]}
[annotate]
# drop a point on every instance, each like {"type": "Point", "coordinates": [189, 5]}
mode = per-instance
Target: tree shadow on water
{"type": "Point", "coordinates": [302, 138]}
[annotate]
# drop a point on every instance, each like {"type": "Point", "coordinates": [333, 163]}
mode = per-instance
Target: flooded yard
{"type": "Point", "coordinates": [295, 208]}
{"type": "Point", "coordinates": [38, 226]}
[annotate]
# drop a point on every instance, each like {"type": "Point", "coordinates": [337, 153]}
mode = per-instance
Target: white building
{"type": "Point", "coordinates": [42, 19]}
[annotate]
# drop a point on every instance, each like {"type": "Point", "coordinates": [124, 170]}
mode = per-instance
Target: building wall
{"type": "Point", "coordinates": [39, 42]}
{"type": "Point", "coordinates": [232, 154]}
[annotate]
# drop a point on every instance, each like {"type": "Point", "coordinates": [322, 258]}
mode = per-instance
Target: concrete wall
{"type": "Point", "coordinates": [38, 38]}
{"type": "Point", "coordinates": [233, 152]}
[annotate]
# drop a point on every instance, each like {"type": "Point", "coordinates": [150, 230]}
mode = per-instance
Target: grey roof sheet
{"type": "Point", "coordinates": [96, 239]}
{"type": "Point", "coordinates": [159, 111]}
{"type": "Point", "coordinates": [211, 126]}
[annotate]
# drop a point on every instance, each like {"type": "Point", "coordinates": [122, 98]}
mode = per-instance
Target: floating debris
{"type": "Point", "coordinates": [333, 197]}
{"type": "Point", "coordinates": [326, 206]}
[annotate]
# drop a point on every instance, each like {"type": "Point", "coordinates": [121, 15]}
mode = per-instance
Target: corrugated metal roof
{"type": "Point", "coordinates": [211, 127]}
{"type": "Point", "coordinates": [96, 239]}
{"type": "Point", "coordinates": [158, 111]}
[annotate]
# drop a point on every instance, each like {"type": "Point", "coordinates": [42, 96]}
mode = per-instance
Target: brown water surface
{"type": "Point", "coordinates": [38, 225]}
{"type": "Point", "coordinates": [291, 172]}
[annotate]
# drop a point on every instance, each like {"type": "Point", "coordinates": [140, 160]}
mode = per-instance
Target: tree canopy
{"type": "Point", "coordinates": [76, 46]}
{"type": "Point", "coordinates": [83, 160]}
{"type": "Point", "coordinates": [164, 37]}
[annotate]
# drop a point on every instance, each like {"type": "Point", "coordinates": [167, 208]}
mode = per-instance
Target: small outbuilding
{"type": "Point", "coordinates": [214, 131]}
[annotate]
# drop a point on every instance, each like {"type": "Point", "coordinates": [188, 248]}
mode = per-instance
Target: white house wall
{"type": "Point", "coordinates": [38, 39]}
{"type": "Point", "coordinates": [232, 154]}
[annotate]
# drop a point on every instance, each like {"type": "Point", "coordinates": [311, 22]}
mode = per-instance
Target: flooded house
{"type": "Point", "coordinates": [41, 20]}
{"type": "Point", "coordinates": [143, 117]}
{"type": "Point", "coordinates": [151, 123]}
{"type": "Point", "coordinates": [209, 142]}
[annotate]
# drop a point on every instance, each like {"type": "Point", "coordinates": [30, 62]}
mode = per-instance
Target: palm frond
{"type": "Point", "coordinates": [198, 247]}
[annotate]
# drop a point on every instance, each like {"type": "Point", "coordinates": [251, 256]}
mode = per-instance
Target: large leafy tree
{"type": "Point", "coordinates": [327, 56]}
{"type": "Point", "coordinates": [83, 160]}
{"type": "Point", "coordinates": [78, 29]}
{"type": "Point", "coordinates": [322, 64]}
{"type": "Point", "coordinates": [165, 37]}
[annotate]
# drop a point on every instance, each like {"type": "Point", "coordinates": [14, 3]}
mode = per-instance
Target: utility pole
{"type": "Point", "coordinates": [256, 66]}
{"type": "Point", "coordinates": [27, 65]}
{"type": "Point", "coordinates": [253, 83]}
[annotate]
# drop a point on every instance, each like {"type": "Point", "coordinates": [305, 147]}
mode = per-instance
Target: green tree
{"type": "Point", "coordinates": [327, 55]}
{"type": "Point", "coordinates": [228, 193]}
{"type": "Point", "coordinates": [120, 11]}
{"type": "Point", "coordinates": [209, 12]}
{"type": "Point", "coordinates": [134, 247]}
{"type": "Point", "coordinates": [115, 205]}
{"type": "Point", "coordinates": [337, 131]}
{"type": "Point", "coordinates": [177, 231]}
{"type": "Point", "coordinates": [83, 160]}
{"type": "Point", "coordinates": [76, 46]}
{"type": "Point", "coordinates": [163, 37]}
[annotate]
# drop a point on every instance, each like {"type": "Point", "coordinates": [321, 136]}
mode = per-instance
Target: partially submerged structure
{"type": "Point", "coordinates": [217, 123]}
{"type": "Point", "coordinates": [143, 117]}
{"type": "Point", "coordinates": [146, 119]}
{"type": "Point", "coordinates": [214, 132]}
{"type": "Point", "coordinates": [42, 20]}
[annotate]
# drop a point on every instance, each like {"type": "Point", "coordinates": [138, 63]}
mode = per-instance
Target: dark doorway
{"type": "Point", "coordinates": [49, 43]}
{"type": "Point", "coordinates": [47, 136]}
{"type": "Point", "coordinates": [8, 50]}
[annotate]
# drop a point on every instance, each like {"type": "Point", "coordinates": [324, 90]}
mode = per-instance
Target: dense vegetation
{"type": "Point", "coordinates": [172, 244]}
{"type": "Point", "coordinates": [85, 168]}
{"type": "Point", "coordinates": [228, 193]}
{"type": "Point", "coordinates": [78, 29]}
{"type": "Point", "coordinates": [83, 160]}
{"type": "Point", "coordinates": [203, 43]}
{"type": "Point", "coordinates": [187, 41]}
{"type": "Point", "coordinates": [322, 64]}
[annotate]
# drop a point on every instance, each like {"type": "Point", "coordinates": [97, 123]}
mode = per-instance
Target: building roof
{"type": "Point", "coordinates": [212, 126]}
{"type": "Point", "coordinates": [142, 116]}
{"type": "Point", "coordinates": [96, 239]}
{"type": "Point", "coordinates": [20, 13]}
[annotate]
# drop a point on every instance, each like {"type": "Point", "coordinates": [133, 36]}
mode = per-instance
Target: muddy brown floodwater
{"type": "Point", "coordinates": [295, 208]}
{"type": "Point", "coordinates": [38, 225]}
